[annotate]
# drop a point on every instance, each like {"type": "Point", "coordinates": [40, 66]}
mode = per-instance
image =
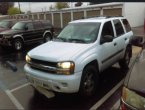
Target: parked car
{"type": "Point", "coordinates": [26, 32]}
{"type": "Point", "coordinates": [73, 61]}
{"type": "Point", "coordinates": [133, 92]}
{"type": "Point", "coordinates": [6, 24]}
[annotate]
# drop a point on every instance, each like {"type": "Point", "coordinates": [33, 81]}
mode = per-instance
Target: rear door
{"type": "Point", "coordinates": [39, 30]}
{"type": "Point", "coordinates": [28, 34]}
{"type": "Point", "coordinates": [120, 37]}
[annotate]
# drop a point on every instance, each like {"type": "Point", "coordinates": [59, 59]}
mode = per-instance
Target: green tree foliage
{"type": "Point", "coordinates": [4, 6]}
{"type": "Point", "coordinates": [61, 5]}
{"type": "Point", "coordinates": [13, 10]}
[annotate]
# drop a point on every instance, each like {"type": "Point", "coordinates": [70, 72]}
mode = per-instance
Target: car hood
{"type": "Point", "coordinates": [57, 51]}
{"type": "Point", "coordinates": [11, 31]}
{"type": "Point", "coordinates": [3, 29]}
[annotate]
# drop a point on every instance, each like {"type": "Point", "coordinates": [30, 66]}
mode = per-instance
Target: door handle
{"type": "Point", "coordinates": [115, 44]}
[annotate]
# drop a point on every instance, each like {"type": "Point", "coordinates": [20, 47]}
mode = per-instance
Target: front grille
{"type": "Point", "coordinates": [36, 61]}
{"type": "Point", "coordinates": [50, 67]}
{"type": "Point", "coordinates": [1, 36]}
{"type": "Point", "coordinates": [47, 71]}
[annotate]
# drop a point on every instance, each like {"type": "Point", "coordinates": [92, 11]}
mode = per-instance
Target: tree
{"type": "Point", "coordinates": [4, 6]}
{"type": "Point", "coordinates": [78, 4]}
{"type": "Point", "coordinates": [51, 8]}
{"type": "Point", "coordinates": [61, 5]}
{"type": "Point", "coordinates": [13, 10]}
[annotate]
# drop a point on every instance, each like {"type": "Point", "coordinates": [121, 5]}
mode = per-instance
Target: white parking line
{"type": "Point", "coordinates": [116, 105]}
{"type": "Point", "coordinates": [14, 100]}
{"type": "Point", "coordinates": [100, 102]}
{"type": "Point", "coordinates": [19, 87]}
{"type": "Point", "coordinates": [11, 96]}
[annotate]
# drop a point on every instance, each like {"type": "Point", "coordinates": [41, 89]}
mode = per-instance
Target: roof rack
{"type": "Point", "coordinates": [103, 17]}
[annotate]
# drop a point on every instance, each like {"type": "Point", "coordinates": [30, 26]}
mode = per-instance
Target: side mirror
{"type": "Point", "coordinates": [106, 38]}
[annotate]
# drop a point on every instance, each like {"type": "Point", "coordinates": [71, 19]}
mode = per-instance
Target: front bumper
{"type": "Point", "coordinates": [5, 42]}
{"type": "Point", "coordinates": [57, 83]}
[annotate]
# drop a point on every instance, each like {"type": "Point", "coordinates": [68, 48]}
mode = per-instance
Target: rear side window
{"type": "Point", "coordinates": [126, 25]}
{"type": "Point", "coordinates": [46, 24]}
{"type": "Point", "coordinates": [37, 25]}
{"type": "Point", "coordinates": [118, 27]}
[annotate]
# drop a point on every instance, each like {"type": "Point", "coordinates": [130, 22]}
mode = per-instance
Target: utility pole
{"type": "Point", "coordinates": [19, 7]}
{"type": "Point", "coordinates": [29, 7]}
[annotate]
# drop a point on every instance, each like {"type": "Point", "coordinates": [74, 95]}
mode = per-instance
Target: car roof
{"type": "Point", "coordinates": [97, 19]}
{"type": "Point", "coordinates": [9, 20]}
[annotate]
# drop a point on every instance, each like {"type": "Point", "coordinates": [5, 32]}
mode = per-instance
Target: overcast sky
{"type": "Point", "coordinates": [36, 6]}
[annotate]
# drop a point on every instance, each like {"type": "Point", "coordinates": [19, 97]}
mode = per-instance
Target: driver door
{"type": "Point", "coordinates": [108, 50]}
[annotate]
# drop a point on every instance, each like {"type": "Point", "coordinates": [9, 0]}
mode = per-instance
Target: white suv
{"type": "Point", "coordinates": [73, 61]}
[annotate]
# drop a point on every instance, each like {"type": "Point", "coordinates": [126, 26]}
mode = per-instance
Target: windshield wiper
{"type": "Point", "coordinates": [77, 40]}
{"type": "Point", "coordinates": [59, 39]}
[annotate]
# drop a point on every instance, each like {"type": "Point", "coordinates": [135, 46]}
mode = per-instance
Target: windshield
{"type": "Point", "coordinates": [19, 26]}
{"type": "Point", "coordinates": [80, 32]}
{"type": "Point", "coordinates": [4, 24]}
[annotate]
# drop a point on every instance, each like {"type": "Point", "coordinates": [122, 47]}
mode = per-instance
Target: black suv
{"type": "Point", "coordinates": [26, 32]}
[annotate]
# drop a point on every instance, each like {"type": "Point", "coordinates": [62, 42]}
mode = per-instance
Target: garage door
{"type": "Point", "coordinates": [66, 18]}
{"type": "Point", "coordinates": [93, 13]}
{"type": "Point", "coordinates": [48, 17]}
{"type": "Point", "coordinates": [112, 12]}
{"type": "Point", "coordinates": [78, 15]}
{"type": "Point", "coordinates": [57, 20]}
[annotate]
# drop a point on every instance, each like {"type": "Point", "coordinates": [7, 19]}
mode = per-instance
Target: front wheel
{"type": "Point", "coordinates": [89, 81]}
{"type": "Point", "coordinates": [124, 63]}
{"type": "Point", "coordinates": [47, 37]}
{"type": "Point", "coordinates": [17, 44]}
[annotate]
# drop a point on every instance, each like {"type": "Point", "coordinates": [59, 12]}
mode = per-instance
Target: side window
{"type": "Point", "coordinates": [107, 29]}
{"type": "Point", "coordinates": [46, 24]}
{"type": "Point", "coordinates": [29, 26]}
{"type": "Point", "coordinates": [126, 25]}
{"type": "Point", "coordinates": [118, 27]}
{"type": "Point", "coordinates": [37, 25]}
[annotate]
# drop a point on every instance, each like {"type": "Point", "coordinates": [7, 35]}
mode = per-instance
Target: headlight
{"type": "Point", "coordinates": [65, 68]}
{"type": "Point", "coordinates": [133, 99]}
{"type": "Point", "coordinates": [28, 59]}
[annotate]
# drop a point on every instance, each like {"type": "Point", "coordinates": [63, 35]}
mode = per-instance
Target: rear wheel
{"type": "Point", "coordinates": [17, 44]}
{"type": "Point", "coordinates": [89, 81]}
{"type": "Point", "coordinates": [47, 37]}
{"type": "Point", "coordinates": [124, 63]}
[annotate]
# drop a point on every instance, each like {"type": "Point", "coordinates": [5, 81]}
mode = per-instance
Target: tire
{"type": "Point", "coordinates": [89, 82]}
{"type": "Point", "coordinates": [124, 63]}
{"type": "Point", "coordinates": [47, 37]}
{"type": "Point", "coordinates": [18, 44]}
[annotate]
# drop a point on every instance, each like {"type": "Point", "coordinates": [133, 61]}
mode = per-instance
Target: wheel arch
{"type": "Point", "coordinates": [18, 37]}
{"type": "Point", "coordinates": [94, 63]}
{"type": "Point", "coordinates": [47, 32]}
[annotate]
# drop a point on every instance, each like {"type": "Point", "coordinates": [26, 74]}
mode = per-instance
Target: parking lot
{"type": "Point", "coordinates": [16, 92]}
